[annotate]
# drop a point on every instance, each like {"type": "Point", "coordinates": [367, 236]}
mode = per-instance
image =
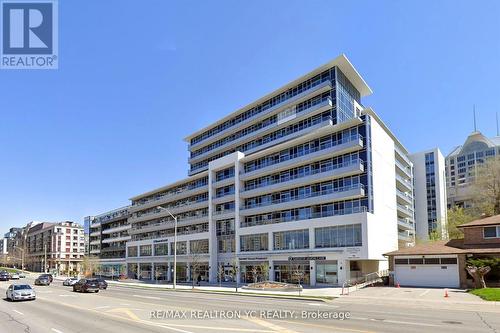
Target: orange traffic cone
{"type": "Point", "coordinates": [446, 293]}
{"type": "Point", "coordinates": [397, 285]}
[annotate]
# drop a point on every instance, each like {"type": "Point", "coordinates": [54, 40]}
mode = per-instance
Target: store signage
{"type": "Point", "coordinates": [160, 240]}
{"type": "Point", "coordinates": [305, 258]}
{"type": "Point", "coordinates": [254, 258]}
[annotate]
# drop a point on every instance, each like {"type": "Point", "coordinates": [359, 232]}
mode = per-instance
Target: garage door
{"type": "Point", "coordinates": [438, 272]}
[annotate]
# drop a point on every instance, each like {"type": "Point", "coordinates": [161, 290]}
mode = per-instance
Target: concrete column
{"type": "Point", "coordinates": [138, 271]}
{"type": "Point", "coordinates": [343, 271]}
{"type": "Point", "coordinates": [153, 271]}
{"type": "Point", "coordinates": [188, 273]}
{"type": "Point", "coordinates": [169, 272]}
{"type": "Point", "coordinates": [271, 270]}
{"type": "Point", "coordinates": [312, 267]}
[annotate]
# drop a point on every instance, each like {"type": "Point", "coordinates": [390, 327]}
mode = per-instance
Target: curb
{"type": "Point", "coordinates": [222, 292]}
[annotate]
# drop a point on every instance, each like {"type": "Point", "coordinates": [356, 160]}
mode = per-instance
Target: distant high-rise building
{"type": "Point", "coordinates": [461, 166]}
{"type": "Point", "coordinates": [430, 194]}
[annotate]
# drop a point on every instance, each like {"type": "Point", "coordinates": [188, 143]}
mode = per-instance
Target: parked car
{"type": "Point", "coordinates": [14, 276]}
{"type": "Point", "coordinates": [42, 280]}
{"type": "Point", "coordinates": [22, 275]}
{"type": "Point", "coordinates": [102, 283]}
{"type": "Point", "coordinates": [19, 292]}
{"type": "Point", "coordinates": [70, 281]}
{"type": "Point", "coordinates": [86, 285]}
{"type": "Point", "coordinates": [4, 276]}
{"type": "Point", "coordinates": [49, 276]}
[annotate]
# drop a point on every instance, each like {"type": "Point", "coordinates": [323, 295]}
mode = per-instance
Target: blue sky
{"type": "Point", "coordinates": [136, 77]}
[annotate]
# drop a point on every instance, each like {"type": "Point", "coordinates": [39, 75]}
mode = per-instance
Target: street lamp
{"type": "Point", "coordinates": [175, 242]}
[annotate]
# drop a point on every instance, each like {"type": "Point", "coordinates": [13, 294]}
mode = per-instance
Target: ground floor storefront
{"type": "Point", "coordinates": [59, 267]}
{"type": "Point", "coordinates": [163, 271]}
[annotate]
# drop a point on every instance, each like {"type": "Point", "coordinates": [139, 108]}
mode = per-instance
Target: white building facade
{"type": "Point", "coordinates": [303, 184]}
{"type": "Point", "coordinates": [430, 194]}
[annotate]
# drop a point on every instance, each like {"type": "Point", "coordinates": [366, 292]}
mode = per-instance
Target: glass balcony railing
{"type": "Point", "coordinates": [306, 174]}
{"type": "Point", "coordinates": [306, 196]}
{"type": "Point", "coordinates": [353, 210]}
{"type": "Point", "coordinates": [327, 145]}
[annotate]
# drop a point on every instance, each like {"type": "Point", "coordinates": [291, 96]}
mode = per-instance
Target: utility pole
{"type": "Point", "coordinates": [45, 258]}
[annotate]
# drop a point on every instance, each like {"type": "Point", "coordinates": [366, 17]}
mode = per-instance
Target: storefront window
{"type": "Point", "coordinates": [326, 272]}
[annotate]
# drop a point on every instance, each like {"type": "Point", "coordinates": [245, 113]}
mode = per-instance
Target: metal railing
{"type": "Point", "coordinates": [306, 174]}
{"type": "Point", "coordinates": [329, 144]}
{"type": "Point", "coordinates": [307, 195]}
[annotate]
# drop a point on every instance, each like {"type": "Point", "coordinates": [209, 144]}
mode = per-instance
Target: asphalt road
{"type": "Point", "coordinates": [131, 310]}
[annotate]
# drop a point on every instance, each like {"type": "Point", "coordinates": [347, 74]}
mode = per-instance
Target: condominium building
{"type": "Point", "coordinates": [430, 194]}
{"type": "Point", "coordinates": [108, 235]}
{"type": "Point", "coordinates": [55, 247]}
{"type": "Point", "coordinates": [303, 184]}
{"type": "Point", "coordinates": [461, 166]}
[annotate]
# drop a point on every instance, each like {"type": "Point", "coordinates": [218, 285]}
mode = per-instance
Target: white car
{"type": "Point", "coordinates": [19, 292]}
{"type": "Point", "coordinates": [14, 276]}
{"type": "Point", "coordinates": [70, 281]}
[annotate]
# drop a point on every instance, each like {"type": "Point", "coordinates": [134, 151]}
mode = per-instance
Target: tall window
{"type": "Point", "coordinates": [290, 240]}
{"type": "Point", "coordinates": [132, 251]}
{"type": "Point", "coordinates": [161, 249]}
{"type": "Point", "coordinates": [257, 242]}
{"type": "Point", "coordinates": [338, 236]}
{"type": "Point", "coordinates": [145, 250]}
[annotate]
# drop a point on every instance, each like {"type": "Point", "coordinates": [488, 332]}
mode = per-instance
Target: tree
{"type": "Point", "coordinates": [486, 187]}
{"type": "Point", "coordinates": [220, 273]}
{"type": "Point", "coordinates": [479, 267]}
{"type": "Point", "coordinates": [458, 216]}
{"type": "Point", "coordinates": [264, 270]}
{"type": "Point", "coordinates": [197, 249]}
{"type": "Point", "coordinates": [255, 273]}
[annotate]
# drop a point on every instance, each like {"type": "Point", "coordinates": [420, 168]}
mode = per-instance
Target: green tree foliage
{"type": "Point", "coordinates": [458, 216]}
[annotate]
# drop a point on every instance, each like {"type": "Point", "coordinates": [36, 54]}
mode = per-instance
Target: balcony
{"type": "Point", "coordinates": [116, 229]}
{"type": "Point", "coordinates": [339, 147]}
{"type": "Point", "coordinates": [405, 236]}
{"type": "Point", "coordinates": [402, 155]}
{"type": "Point", "coordinates": [333, 171]}
{"type": "Point", "coordinates": [322, 87]}
{"type": "Point", "coordinates": [404, 198]}
{"type": "Point", "coordinates": [309, 199]}
{"type": "Point", "coordinates": [95, 251]}
{"type": "Point", "coordinates": [174, 210]}
{"type": "Point", "coordinates": [222, 199]}
{"type": "Point", "coordinates": [95, 233]}
{"type": "Point", "coordinates": [405, 210]}
{"type": "Point", "coordinates": [163, 199]}
{"type": "Point", "coordinates": [403, 168]}
{"type": "Point", "coordinates": [139, 229]}
{"type": "Point", "coordinates": [312, 110]}
{"type": "Point", "coordinates": [404, 183]}
{"type": "Point", "coordinates": [116, 239]}
{"type": "Point", "coordinates": [95, 242]}
{"type": "Point", "coordinates": [354, 210]}
{"type": "Point", "coordinates": [223, 214]}
{"type": "Point", "coordinates": [406, 224]}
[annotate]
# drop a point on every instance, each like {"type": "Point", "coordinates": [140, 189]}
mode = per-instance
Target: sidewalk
{"type": "Point", "coordinates": [320, 293]}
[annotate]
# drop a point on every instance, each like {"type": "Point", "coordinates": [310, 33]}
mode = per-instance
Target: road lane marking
{"type": "Point", "coordinates": [148, 297]}
{"type": "Point", "coordinates": [129, 313]}
{"type": "Point", "coordinates": [102, 307]}
{"type": "Point", "coordinates": [424, 293]}
{"type": "Point", "coordinates": [315, 304]}
{"type": "Point", "coordinates": [408, 323]}
{"type": "Point", "coordinates": [269, 325]}
{"type": "Point", "coordinates": [56, 330]}
{"type": "Point", "coordinates": [329, 327]}
{"type": "Point", "coordinates": [18, 312]}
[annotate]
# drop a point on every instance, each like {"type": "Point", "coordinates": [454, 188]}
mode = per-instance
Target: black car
{"type": "Point", "coordinates": [86, 285]}
{"type": "Point", "coordinates": [102, 283]}
{"type": "Point", "coordinates": [42, 280]}
{"type": "Point", "coordinates": [49, 276]}
{"type": "Point", "coordinates": [4, 276]}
